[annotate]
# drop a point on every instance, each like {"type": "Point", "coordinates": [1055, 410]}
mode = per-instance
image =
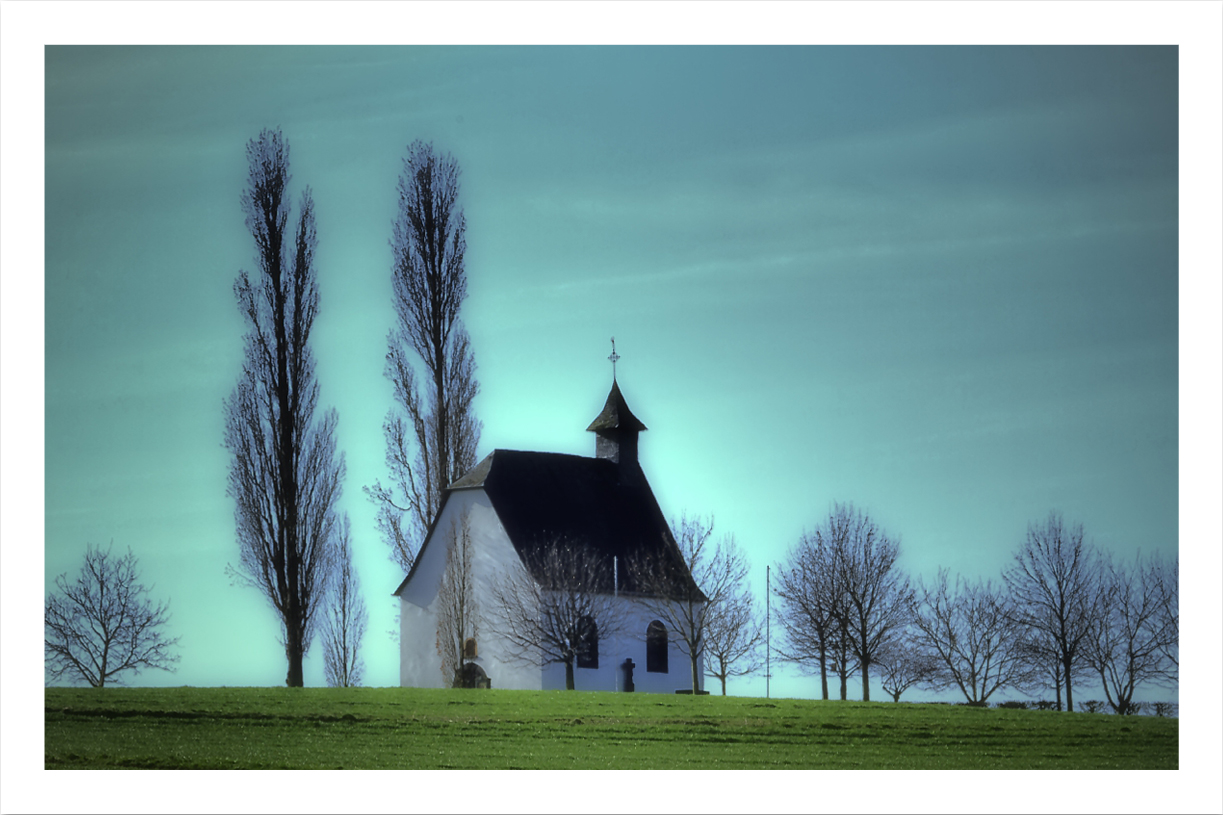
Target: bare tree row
{"type": "Point", "coordinates": [1064, 613]}
{"type": "Point", "coordinates": [286, 476]}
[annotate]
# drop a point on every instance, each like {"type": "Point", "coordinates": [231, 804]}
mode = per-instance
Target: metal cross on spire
{"type": "Point", "coordinates": [613, 357]}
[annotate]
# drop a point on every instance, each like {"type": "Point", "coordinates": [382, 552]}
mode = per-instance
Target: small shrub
{"type": "Point", "coordinates": [1045, 704]}
{"type": "Point", "coordinates": [1163, 709]}
{"type": "Point", "coordinates": [1091, 706]}
{"type": "Point", "coordinates": [1012, 704]}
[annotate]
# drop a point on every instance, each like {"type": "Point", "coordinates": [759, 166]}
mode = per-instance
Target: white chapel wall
{"type": "Point", "coordinates": [630, 644]}
{"type": "Point", "coordinates": [420, 664]}
{"type": "Point", "coordinates": [496, 559]}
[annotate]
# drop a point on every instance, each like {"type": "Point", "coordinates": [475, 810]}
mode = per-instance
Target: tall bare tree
{"type": "Point", "coordinates": [346, 618]}
{"type": "Point", "coordinates": [812, 608]}
{"type": "Point", "coordinates": [971, 630]}
{"type": "Point", "coordinates": [458, 611]}
{"type": "Point", "coordinates": [431, 431]}
{"type": "Point", "coordinates": [1129, 645]}
{"type": "Point", "coordinates": [284, 474]}
{"type": "Point", "coordinates": [875, 593]}
{"type": "Point", "coordinates": [1054, 582]}
{"type": "Point", "coordinates": [104, 625]}
{"type": "Point", "coordinates": [711, 595]}
{"type": "Point", "coordinates": [555, 609]}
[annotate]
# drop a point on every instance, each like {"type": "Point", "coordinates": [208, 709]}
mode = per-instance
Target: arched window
{"type": "Point", "coordinates": [469, 648]}
{"type": "Point", "coordinates": [588, 643]}
{"type": "Point", "coordinates": [656, 648]}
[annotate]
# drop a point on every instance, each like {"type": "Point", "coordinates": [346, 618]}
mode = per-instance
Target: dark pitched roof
{"type": "Point", "coordinates": [616, 414]}
{"type": "Point", "coordinates": [545, 497]}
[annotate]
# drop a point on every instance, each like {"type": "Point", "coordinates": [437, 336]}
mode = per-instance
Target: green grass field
{"type": "Point", "coordinates": [404, 728]}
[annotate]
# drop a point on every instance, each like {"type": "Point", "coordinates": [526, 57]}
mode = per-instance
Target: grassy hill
{"type": "Point", "coordinates": [405, 728]}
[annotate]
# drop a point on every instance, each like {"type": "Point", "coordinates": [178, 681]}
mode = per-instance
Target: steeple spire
{"type": "Point", "coordinates": [616, 414]}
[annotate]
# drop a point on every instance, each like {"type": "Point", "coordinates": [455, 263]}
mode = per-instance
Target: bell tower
{"type": "Point", "coordinates": [616, 427]}
{"type": "Point", "coordinates": [616, 430]}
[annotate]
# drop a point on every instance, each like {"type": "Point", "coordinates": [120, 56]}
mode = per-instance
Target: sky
{"type": "Point", "coordinates": [942, 283]}
{"type": "Point", "coordinates": [938, 283]}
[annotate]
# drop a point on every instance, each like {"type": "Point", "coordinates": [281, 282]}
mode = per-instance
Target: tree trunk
{"type": "Point", "coordinates": [569, 674]}
{"type": "Point", "coordinates": [866, 681]}
{"type": "Point", "coordinates": [443, 441]}
{"type": "Point", "coordinates": [294, 679]}
{"type": "Point", "coordinates": [723, 678]}
{"type": "Point", "coordinates": [286, 464]}
{"type": "Point", "coordinates": [1069, 693]}
{"type": "Point", "coordinates": [824, 674]}
{"type": "Point", "coordinates": [294, 653]}
{"type": "Point", "coordinates": [696, 676]}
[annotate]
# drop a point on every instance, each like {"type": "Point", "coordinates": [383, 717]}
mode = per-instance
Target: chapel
{"type": "Point", "coordinates": [514, 502]}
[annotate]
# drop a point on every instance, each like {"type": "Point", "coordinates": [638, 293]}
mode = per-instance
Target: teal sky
{"type": "Point", "coordinates": [940, 283]}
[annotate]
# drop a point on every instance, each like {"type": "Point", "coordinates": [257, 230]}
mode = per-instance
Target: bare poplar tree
{"type": "Point", "coordinates": [284, 474]}
{"type": "Point", "coordinates": [458, 613]}
{"type": "Point", "coordinates": [104, 625]}
{"type": "Point", "coordinates": [557, 608]}
{"type": "Point", "coordinates": [431, 431]}
{"type": "Point", "coordinates": [703, 592]}
{"type": "Point", "coordinates": [903, 664]}
{"type": "Point", "coordinates": [1054, 583]}
{"type": "Point", "coordinates": [971, 630]}
{"type": "Point", "coordinates": [346, 618]}
{"type": "Point", "coordinates": [1129, 644]}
